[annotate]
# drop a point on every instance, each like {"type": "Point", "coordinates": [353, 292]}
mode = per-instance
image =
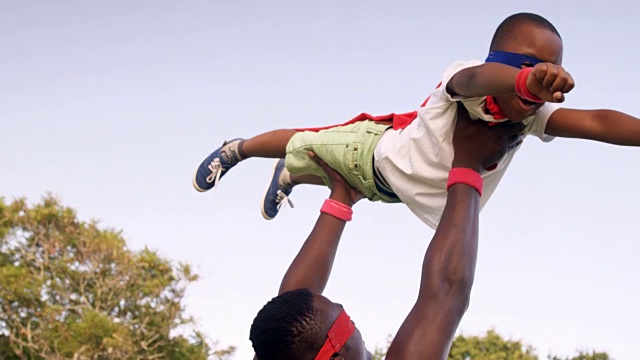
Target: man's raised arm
{"type": "Point", "coordinates": [450, 261]}
{"type": "Point", "coordinates": [312, 266]}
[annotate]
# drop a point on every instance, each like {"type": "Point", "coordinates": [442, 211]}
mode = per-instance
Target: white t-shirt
{"type": "Point", "coordinates": [416, 160]}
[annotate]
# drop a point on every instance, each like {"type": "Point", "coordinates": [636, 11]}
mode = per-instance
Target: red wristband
{"type": "Point", "coordinates": [465, 176]}
{"type": "Point", "coordinates": [337, 209]}
{"type": "Point", "coordinates": [521, 86]}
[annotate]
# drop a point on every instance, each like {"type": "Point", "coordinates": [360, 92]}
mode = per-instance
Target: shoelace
{"type": "Point", "coordinates": [282, 199]}
{"type": "Point", "coordinates": [216, 170]}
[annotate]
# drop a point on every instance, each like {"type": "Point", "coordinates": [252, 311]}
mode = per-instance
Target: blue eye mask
{"type": "Point", "coordinates": [512, 59]}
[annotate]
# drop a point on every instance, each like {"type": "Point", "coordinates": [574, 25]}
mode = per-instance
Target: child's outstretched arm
{"type": "Point", "coordinates": [608, 126]}
{"type": "Point", "coordinates": [547, 81]}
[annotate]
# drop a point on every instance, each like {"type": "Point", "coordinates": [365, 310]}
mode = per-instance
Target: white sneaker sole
{"type": "Point", "coordinates": [195, 185]}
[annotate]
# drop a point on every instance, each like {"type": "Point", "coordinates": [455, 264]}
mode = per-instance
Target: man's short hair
{"type": "Point", "coordinates": [514, 22]}
{"type": "Point", "coordinates": [289, 327]}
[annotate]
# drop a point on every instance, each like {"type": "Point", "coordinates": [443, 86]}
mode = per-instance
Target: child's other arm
{"type": "Point", "coordinates": [608, 126]}
{"type": "Point", "coordinates": [547, 81]}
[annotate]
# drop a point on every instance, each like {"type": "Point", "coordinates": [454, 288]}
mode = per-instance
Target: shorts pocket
{"type": "Point", "coordinates": [352, 158]}
{"type": "Point", "coordinates": [376, 130]}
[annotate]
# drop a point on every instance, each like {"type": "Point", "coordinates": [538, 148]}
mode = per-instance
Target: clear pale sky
{"type": "Point", "coordinates": [111, 105]}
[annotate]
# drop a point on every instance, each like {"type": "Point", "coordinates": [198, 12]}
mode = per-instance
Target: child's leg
{"type": "Point", "coordinates": [280, 187]}
{"type": "Point", "coordinates": [347, 149]}
{"type": "Point", "coordinates": [272, 144]}
{"type": "Point", "coordinates": [305, 179]}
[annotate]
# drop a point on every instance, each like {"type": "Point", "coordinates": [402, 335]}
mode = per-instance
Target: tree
{"type": "Point", "coordinates": [71, 290]}
{"type": "Point", "coordinates": [380, 352]}
{"type": "Point", "coordinates": [490, 347]}
{"type": "Point", "coordinates": [584, 355]}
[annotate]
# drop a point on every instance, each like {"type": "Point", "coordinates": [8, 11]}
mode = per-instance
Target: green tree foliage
{"type": "Point", "coordinates": [584, 355]}
{"type": "Point", "coordinates": [71, 290]}
{"type": "Point", "coordinates": [490, 347]}
{"type": "Point", "coordinates": [381, 351]}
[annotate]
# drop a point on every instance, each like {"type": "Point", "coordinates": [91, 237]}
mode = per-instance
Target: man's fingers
{"type": "Point", "coordinates": [327, 169]}
{"type": "Point", "coordinates": [317, 160]}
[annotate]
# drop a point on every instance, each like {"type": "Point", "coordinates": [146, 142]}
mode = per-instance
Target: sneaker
{"type": "Point", "coordinates": [214, 167]}
{"type": "Point", "coordinates": [277, 194]}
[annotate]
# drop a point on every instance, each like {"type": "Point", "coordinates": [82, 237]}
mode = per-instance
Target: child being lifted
{"type": "Point", "coordinates": [407, 157]}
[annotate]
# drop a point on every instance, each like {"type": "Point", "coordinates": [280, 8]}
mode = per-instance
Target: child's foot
{"type": "Point", "coordinates": [216, 165]}
{"type": "Point", "coordinates": [277, 193]}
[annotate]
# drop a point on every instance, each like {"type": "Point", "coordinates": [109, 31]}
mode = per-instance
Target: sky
{"type": "Point", "coordinates": [111, 105]}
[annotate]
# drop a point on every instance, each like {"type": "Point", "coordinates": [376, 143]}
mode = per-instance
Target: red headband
{"type": "Point", "coordinates": [338, 335]}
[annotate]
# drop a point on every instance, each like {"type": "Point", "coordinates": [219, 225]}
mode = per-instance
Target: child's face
{"type": "Point", "coordinates": [539, 43]}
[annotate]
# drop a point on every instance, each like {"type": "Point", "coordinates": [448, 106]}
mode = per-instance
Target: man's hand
{"type": "Point", "coordinates": [340, 189]}
{"type": "Point", "coordinates": [550, 82]}
{"type": "Point", "coordinates": [477, 145]}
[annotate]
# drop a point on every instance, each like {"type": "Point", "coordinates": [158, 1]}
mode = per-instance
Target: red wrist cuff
{"type": "Point", "coordinates": [465, 176]}
{"type": "Point", "coordinates": [521, 86]}
{"type": "Point", "coordinates": [337, 209]}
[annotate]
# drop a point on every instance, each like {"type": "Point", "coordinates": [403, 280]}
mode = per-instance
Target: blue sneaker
{"type": "Point", "coordinates": [214, 167]}
{"type": "Point", "coordinates": [277, 194]}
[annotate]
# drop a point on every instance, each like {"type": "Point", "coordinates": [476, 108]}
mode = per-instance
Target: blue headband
{"type": "Point", "coordinates": [512, 59]}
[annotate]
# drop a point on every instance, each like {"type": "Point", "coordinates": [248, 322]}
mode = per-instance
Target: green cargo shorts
{"type": "Point", "coordinates": [347, 149]}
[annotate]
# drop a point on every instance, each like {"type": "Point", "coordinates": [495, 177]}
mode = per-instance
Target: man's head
{"type": "Point", "coordinates": [531, 35]}
{"type": "Point", "coordinates": [294, 325]}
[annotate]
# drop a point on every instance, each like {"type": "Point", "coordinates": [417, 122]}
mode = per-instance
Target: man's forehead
{"type": "Point", "coordinates": [326, 306]}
